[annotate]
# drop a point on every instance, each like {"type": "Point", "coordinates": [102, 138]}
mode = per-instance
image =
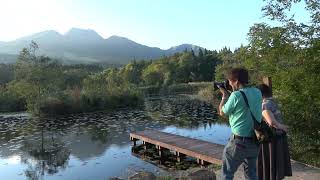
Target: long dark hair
{"type": "Point", "coordinates": [265, 90]}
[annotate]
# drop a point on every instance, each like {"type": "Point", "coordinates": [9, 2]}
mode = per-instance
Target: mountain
{"type": "Point", "coordinates": [8, 58]}
{"type": "Point", "coordinates": [83, 35]}
{"type": "Point", "coordinates": [43, 37]}
{"type": "Point", "coordinates": [87, 46]}
{"type": "Point", "coordinates": [184, 47]}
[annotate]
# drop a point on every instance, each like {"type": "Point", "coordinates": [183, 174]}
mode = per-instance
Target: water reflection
{"type": "Point", "coordinates": [96, 145]}
{"type": "Point", "coordinates": [48, 156]}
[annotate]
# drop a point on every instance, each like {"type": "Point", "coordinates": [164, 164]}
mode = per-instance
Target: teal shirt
{"type": "Point", "coordinates": [239, 115]}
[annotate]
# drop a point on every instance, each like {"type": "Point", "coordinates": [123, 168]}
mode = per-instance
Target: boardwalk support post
{"type": "Point", "coordinates": [161, 155]}
{"type": "Point", "coordinates": [160, 151]}
{"type": "Point", "coordinates": [180, 156]}
{"type": "Point", "coordinates": [134, 141]}
{"type": "Point", "coordinates": [202, 162]}
{"type": "Point", "coordinates": [144, 145]}
{"type": "Point", "coordinates": [198, 160]}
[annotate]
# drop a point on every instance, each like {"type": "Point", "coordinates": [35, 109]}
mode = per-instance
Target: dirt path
{"type": "Point", "coordinates": [300, 171]}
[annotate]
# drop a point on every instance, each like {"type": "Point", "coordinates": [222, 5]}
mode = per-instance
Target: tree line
{"type": "Point", "coordinates": [42, 85]}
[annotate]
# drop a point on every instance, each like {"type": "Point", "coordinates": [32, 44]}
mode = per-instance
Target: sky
{"type": "Point", "coordinates": [212, 24]}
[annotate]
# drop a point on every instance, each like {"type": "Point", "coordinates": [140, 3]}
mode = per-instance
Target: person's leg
{"type": "Point", "coordinates": [250, 162]}
{"type": "Point", "coordinates": [250, 171]}
{"type": "Point", "coordinates": [230, 160]}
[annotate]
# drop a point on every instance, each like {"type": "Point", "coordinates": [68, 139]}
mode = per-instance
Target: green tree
{"type": "Point", "coordinates": [200, 54]}
{"type": "Point", "coordinates": [6, 73]}
{"type": "Point", "coordinates": [290, 55]}
{"type": "Point", "coordinates": [36, 77]}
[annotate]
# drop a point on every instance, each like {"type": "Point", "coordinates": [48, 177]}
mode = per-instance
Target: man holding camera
{"type": "Point", "coordinates": [241, 148]}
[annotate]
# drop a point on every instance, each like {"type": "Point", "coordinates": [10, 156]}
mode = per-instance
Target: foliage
{"type": "Point", "coordinates": [6, 73]}
{"type": "Point", "coordinates": [302, 34]}
{"type": "Point", "coordinates": [207, 93]}
{"type": "Point", "coordinates": [36, 77]}
{"type": "Point", "coordinates": [296, 74]}
{"type": "Point", "coordinates": [10, 101]}
{"type": "Point", "coordinates": [179, 68]}
{"type": "Point", "coordinates": [108, 90]}
{"type": "Point", "coordinates": [73, 75]}
{"type": "Point", "coordinates": [132, 72]}
{"type": "Point", "coordinates": [290, 55]}
{"type": "Point", "coordinates": [45, 87]}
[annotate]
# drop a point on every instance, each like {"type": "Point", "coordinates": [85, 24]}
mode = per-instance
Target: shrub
{"type": "Point", "coordinates": [11, 101]}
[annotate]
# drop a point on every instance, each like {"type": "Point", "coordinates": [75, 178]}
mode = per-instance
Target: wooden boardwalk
{"type": "Point", "coordinates": [205, 152]}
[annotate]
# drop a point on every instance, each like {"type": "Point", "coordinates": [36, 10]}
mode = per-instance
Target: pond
{"type": "Point", "coordinates": [97, 145]}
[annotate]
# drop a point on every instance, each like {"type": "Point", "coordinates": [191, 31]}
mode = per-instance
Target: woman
{"type": "Point", "coordinates": [274, 159]}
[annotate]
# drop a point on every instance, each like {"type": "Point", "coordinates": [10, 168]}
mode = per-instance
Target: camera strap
{"type": "Point", "coordinates": [246, 100]}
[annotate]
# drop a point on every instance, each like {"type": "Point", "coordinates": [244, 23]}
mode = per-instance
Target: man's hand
{"type": "Point", "coordinates": [224, 92]}
{"type": "Point", "coordinates": [224, 99]}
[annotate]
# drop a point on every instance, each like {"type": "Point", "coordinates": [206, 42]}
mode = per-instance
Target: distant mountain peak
{"type": "Point", "coordinates": [83, 33]}
{"type": "Point", "coordinates": [115, 37]}
{"type": "Point", "coordinates": [119, 40]}
{"type": "Point", "coordinates": [79, 30]}
{"type": "Point", "coordinates": [183, 47]}
{"type": "Point", "coordinates": [48, 32]}
{"type": "Point", "coordinates": [43, 34]}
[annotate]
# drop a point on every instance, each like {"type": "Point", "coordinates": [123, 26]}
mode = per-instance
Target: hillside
{"type": "Point", "coordinates": [87, 46]}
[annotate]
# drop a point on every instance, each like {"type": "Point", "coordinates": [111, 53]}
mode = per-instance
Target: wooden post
{"type": "Point", "coordinates": [267, 81]}
{"type": "Point", "coordinates": [144, 145]}
{"type": "Point", "coordinates": [160, 151]}
{"type": "Point", "coordinates": [202, 162]}
{"type": "Point", "coordinates": [134, 141]}
{"type": "Point", "coordinates": [198, 160]}
{"type": "Point", "coordinates": [180, 156]}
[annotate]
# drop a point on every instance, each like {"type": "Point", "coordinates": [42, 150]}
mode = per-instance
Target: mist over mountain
{"type": "Point", "coordinates": [87, 46]}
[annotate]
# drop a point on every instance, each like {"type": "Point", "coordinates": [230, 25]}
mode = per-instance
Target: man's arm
{"type": "Point", "coordinates": [222, 102]}
{"type": "Point", "coordinates": [224, 99]}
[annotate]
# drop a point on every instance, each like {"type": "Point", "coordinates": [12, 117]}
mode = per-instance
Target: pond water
{"type": "Point", "coordinates": [96, 145]}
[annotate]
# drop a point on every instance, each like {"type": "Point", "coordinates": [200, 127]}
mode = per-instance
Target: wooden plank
{"type": "Point", "coordinates": [202, 150]}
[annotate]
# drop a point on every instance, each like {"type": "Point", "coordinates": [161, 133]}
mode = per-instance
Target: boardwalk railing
{"type": "Point", "coordinates": [203, 151]}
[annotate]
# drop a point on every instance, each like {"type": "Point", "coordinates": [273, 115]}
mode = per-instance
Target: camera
{"type": "Point", "coordinates": [225, 85]}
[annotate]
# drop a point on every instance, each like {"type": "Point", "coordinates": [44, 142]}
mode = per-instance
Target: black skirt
{"type": "Point", "coordinates": [274, 159]}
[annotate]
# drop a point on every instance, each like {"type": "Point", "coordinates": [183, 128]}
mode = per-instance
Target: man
{"type": "Point", "coordinates": [241, 148]}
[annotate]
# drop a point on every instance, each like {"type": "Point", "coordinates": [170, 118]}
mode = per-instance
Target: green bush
{"type": "Point", "coordinates": [67, 103]}
{"type": "Point", "coordinates": [207, 93]}
{"type": "Point", "coordinates": [11, 101]}
{"type": "Point", "coordinates": [53, 106]}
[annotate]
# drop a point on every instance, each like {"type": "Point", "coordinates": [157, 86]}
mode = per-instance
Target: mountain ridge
{"type": "Point", "coordinates": [87, 46]}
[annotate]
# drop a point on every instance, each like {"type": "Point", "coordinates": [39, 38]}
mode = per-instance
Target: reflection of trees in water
{"type": "Point", "coordinates": [46, 143]}
{"type": "Point", "coordinates": [48, 156]}
{"type": "Point", "coordinates": [98, 134]}
{"type": "Point", "coordinates": [182, 111]}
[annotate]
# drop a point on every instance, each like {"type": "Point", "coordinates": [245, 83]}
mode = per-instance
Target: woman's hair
{"type": "Point", "coordinates": [239, 74]}
{"type": "Point", "coordinates": [265, 90]}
